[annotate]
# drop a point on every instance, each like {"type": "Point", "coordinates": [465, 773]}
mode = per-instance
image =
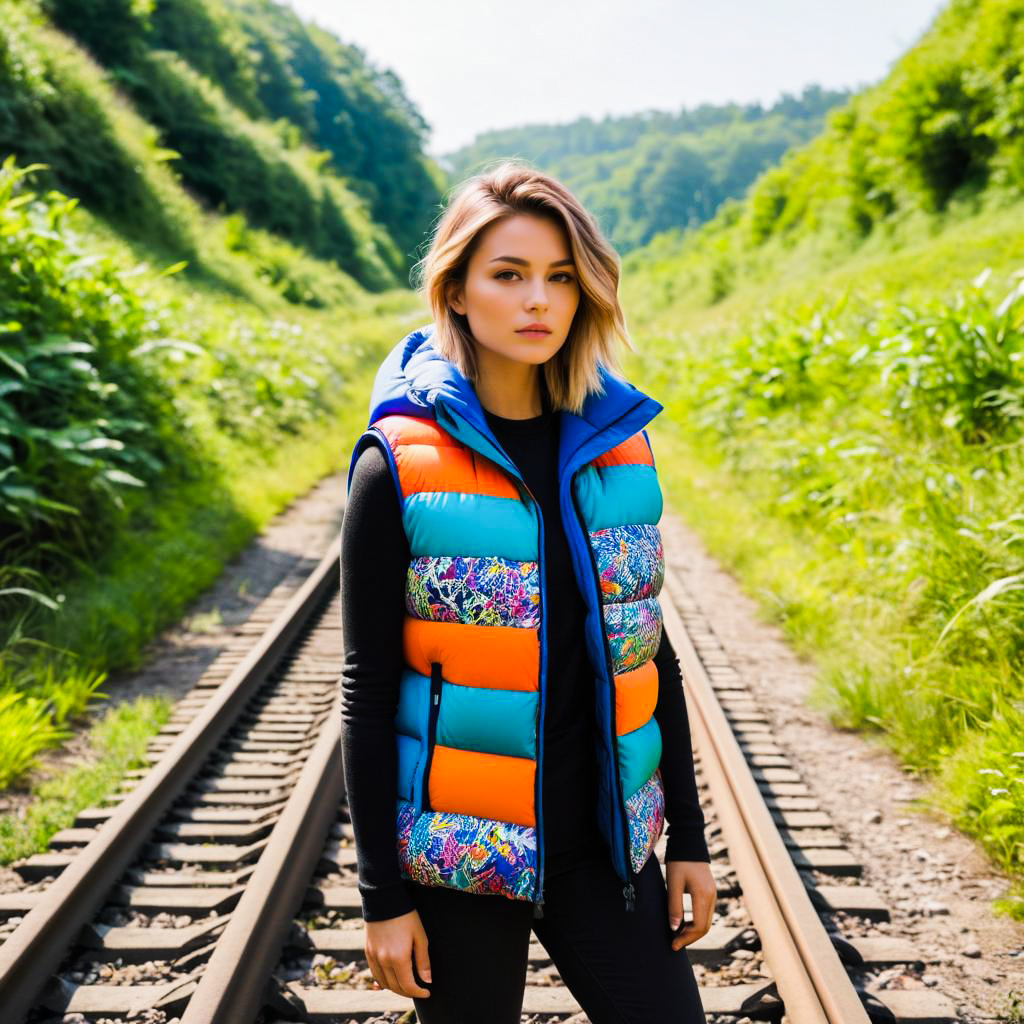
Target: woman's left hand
{"type": "Point", "coordinates": [694, 877]}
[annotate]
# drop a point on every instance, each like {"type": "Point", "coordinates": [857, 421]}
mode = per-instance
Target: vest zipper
{"type": "Point", "coordinates": [434, 712]}
{"type": "Point", "coordinates": [538, 903]}
{"type": "Point", "coordinates": [628, 890]}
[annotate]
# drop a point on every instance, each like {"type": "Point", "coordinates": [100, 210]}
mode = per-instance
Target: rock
{"type": "Point", "coordinates": [973, 950]}
{"type": "Point", "coordinates": [872, 817]}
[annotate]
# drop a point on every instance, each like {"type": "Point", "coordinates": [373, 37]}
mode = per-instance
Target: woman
{"type": "Point", "coordinates": [515, 730]}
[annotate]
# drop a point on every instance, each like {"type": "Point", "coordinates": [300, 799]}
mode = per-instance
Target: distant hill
{"type": "Point", "coordinates": [656, 170]}
{"type": "Point", "coordinates": [937, 140]}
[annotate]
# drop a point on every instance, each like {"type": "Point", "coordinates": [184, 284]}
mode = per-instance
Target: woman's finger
{"type": "Point", "coordinates": [408, 982]}
{"type": "Point", "coordinates": [375, 971]}
{"type": "Point", "coordinates": [392, 979]}
{"type": "Point", "coordinates": [702, 902]}
{"type": "Point", "coordinates": [675, 900]}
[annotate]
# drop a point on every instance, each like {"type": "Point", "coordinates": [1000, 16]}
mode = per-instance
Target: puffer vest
{"type": "Point", "coordinates": [470, 719]}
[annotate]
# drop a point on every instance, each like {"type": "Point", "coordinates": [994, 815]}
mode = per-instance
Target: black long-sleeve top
{"type": "Point", "coordinates": [374, 558]}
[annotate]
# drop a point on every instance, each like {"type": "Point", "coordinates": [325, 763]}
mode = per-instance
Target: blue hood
{"type": "Point", "coordinates": [416, 380]}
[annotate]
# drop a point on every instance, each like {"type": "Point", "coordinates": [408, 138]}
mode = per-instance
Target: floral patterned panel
{"type": "Point", "coordinates": [465, 852]}
{"type": "Point", "coordinates": [645, 810]}
{"type": "Point", "coordinates": [630, 561]}
{"type": "Point", "coordinates": [634, 632]}
{"type": "Point", "coordinates": [483, 591]}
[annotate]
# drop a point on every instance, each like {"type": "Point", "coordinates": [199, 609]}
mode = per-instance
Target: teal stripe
{"type": "Point", "coordinates": [413, 705]}
{"type": "Point", "coordinates": [408, 756]}
{"type": "Point", "coordinates": [454, 523]}
{"type": "Point", "coordinates": [618, 495]}
{"type": "Point", "coordinates": [488, 720]}
{"type": "Point", "coordinates": [411, 721]}
{"type": "Point", "coordinates": [639, 754]}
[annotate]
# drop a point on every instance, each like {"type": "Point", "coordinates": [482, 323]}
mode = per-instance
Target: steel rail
{"type": "Point", "coordinates": [234, 984]}
{"type": "Point", "coordinates": [812, 981]}
{"type": "Point", "coordinates": [34, 950]}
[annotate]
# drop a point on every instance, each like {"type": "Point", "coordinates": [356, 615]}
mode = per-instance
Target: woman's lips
{"type": "Point", "coordinates": [534, 334]}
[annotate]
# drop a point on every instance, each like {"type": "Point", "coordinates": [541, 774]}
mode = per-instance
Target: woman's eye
{"type": "Point", "coordinates": [568, 277]}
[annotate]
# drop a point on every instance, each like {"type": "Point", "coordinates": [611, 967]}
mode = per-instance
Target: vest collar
{"type": "Point", "coordinates": [416, 380]}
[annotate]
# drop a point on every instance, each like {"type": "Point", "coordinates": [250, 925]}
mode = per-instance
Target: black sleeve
{"type": "Point", "coordinates": [682, 804]}
{"type": "Point", "coordinates": [374, 561]}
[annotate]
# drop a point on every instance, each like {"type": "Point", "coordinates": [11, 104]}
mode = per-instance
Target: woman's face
{"type": "Point", "coordinates": [521, 273]}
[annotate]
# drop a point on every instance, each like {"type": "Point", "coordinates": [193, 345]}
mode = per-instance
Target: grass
{"type": "Point", "coordinates": [115, 744]}
{"type": "Point", "coordinates": [831, 437]}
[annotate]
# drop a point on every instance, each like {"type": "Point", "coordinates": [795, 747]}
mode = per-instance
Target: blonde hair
{"type": "Point", "coordinates": [513, 187]}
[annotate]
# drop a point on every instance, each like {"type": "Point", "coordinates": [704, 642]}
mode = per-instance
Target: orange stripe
{"type": "Point", "coordinates": [430, 459]}
{"type": "Point", "coordinates": [500, 657]}
{"type": "Point", "coordinates": [487, 785]}
{"type": "Point", "coordinates": [636, 694]}
{"type": "Point", "coordinates": [634, 451]}
{"type": "Point", "coordinates": [423, 467]}
{"type": "Point", "coordinates": [413, 430]}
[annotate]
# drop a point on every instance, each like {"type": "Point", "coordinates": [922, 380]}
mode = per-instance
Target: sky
{"type": "Point", "coordinates": [474, 65]}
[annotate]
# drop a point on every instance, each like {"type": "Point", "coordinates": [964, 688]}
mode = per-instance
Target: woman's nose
{"type": "Point", "coordinates": [538, 298]}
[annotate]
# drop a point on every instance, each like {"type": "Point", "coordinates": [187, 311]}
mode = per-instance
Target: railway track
{"type": "Point", "coordinates": [220, 886]}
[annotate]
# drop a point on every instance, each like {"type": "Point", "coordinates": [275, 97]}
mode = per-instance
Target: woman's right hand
{"type": "Point", "coordinates": [391, 946]}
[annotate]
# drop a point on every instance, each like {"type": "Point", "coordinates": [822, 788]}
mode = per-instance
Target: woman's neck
{"type": "Point", "coordinates": [508, 388]}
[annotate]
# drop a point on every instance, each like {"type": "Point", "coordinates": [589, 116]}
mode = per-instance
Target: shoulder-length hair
{"type": "Point", "coordinates": [598, 326]}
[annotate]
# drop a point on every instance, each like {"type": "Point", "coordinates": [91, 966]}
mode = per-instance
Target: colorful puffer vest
{"type": "Point", "coordinates": [470, 718]}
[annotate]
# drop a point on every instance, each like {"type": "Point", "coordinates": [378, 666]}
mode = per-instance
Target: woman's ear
{"type": "Point", "coordinates": [455, 299]}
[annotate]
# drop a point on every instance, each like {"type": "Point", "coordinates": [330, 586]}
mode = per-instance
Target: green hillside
{"type": "Point", "coordinates": [253, 111]}
{"type": "Point", "coordinates": [647, 173]}
{"type": "Point", "coordinates": [841, 357]}
{"type": "Point", "coordinates": [207, 216]}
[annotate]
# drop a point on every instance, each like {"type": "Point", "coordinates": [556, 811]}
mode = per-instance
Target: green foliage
{"type": "Point", "coordinates": [55, 110]}
{"type": "Point", "coordinates": [940, 135]}
{"type": "Point", "coordinates": [39, 697]}
{"type": "Point", "coordinates": [113, 30]}
{"type": "Point", "coordinates": [885, 438]}
{"type": "Point", "coordinates": [287, 269]}
{"type": "Point", "coordinates": [960, 364]}
{"type": "Point", "coordinates": [205, 34]}
{"type": "Point", "coordinates": [79, 420]}
{"type": "Point", "coordinates": [276, 119]}
{"type": "Point", "coordinates": [112, 390]}
{"type": "Point", "coordinates": [116, 743]}
{"type": "Point", "coordinates": [237, 164]}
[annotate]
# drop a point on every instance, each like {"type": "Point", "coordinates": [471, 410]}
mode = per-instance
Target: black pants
{"type": "Point", "coordinates": [619, 965]}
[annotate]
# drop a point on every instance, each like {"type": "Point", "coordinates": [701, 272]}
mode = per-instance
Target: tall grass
{"type": "Point", "coordinates": [115, 743]}
{"type": "Point", "coordinates": [887, 438]}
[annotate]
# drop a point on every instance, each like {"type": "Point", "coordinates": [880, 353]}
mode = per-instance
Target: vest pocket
{"type": "Point", "coordinates": [434, 712]}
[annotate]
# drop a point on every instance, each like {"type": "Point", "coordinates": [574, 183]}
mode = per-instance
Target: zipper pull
{"type": "Point", "coordinates": [630, 893]}
{"type": "Point", "coordinates": [538, 907]}
{"type": "Point", "coordinates": [437, 698]}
